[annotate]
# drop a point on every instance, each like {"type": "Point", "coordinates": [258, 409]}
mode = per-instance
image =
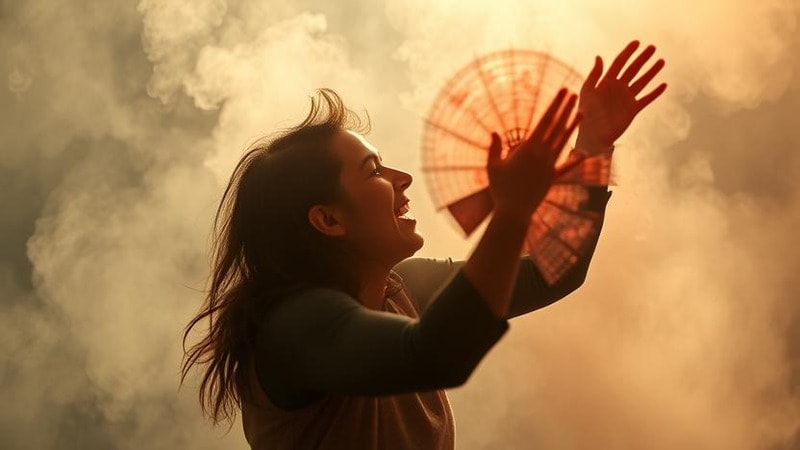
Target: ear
{"type": "Point", "coordinates": [326, 220]}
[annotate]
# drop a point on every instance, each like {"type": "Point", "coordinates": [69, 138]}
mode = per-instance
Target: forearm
{"type": "Point", "coordinates": [585, 141]}
{"type": "Point", "coordinates": [532, 293]}
{"type": "Point", "coordinates": [323, 341]}
{"type": "Point", "coordinates": [493, 265]}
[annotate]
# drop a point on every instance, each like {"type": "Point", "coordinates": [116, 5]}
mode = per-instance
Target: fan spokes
{"type": "Point", "coordinates": [556, 246]}
{"type": "Point", "coordinates": [504, 92]}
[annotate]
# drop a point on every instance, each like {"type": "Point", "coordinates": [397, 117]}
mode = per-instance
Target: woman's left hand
{"type": "Point", "coordinates": [610, 106]}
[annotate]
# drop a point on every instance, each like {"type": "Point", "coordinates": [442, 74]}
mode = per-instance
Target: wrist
{"type": "Point", "coordinates": [592, 149]}
{"type": "Point", "coordinates": [592, 146]}
{"type": "Point", "coordinates": [513, 216]}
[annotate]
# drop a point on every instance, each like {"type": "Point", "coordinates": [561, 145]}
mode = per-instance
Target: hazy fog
{"type": "Point", "coordinates": [120, 126]}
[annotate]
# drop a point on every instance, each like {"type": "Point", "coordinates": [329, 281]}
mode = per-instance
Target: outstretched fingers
{"type": "Point", "coordinates": [647, 99]}
{"type": "Point", "coordinates": [557, 129]}
{"type": "Point", "coordinates": [639, 84]}
{"type": "Point", "coordinates": [621, 59]}
{"type": "Point", "coordinates": [558, 146]}
{"type": "Point", "coordinates": [544, 123]}
{"type": "Point", "coordinates": [637, 64]}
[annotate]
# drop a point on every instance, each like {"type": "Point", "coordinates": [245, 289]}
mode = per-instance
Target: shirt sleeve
{"type": "Point", "coordinates": [424, 276]}
{"type": "Point", "coordinates": [322, 341]}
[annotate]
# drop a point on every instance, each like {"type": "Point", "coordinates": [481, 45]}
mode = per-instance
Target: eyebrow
{"type": "Point", "coordinates": [369, 157]}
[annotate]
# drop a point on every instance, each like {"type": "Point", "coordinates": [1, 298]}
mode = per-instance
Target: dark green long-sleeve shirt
{"type": "Point", "coordinates": [321, 342]}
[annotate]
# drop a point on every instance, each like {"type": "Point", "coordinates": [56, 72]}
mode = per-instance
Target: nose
{"type": "Point", "coordinates": [403, 180]}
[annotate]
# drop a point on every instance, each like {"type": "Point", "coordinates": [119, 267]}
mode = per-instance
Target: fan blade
{"type": "Point", "coordinates": [456, 135]}
{"type": "Point", "coordinates": [483, 77]}
{"type": "Point", "coordinates": [515, 96]}
{"type": "Point", "coordinates": [537, 91]}
{"type": "Point", "coordinates": [553, 257]}
{"type": "Point", "coordinates": [472, 210]}
{"type": "Point", "coordinates": [572, 228]}
{"type": "Point", "coordinates": [558, 238]}
{"type": "Point", "coordinates": [572, 197]}
{"type": "Point", "coordinates": [565, 209]}
{"type": "Point", "coordinates": [503, 92]}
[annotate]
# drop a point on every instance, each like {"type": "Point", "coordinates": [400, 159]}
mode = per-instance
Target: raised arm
{"type": "Point", "coordinates": [608, 105]}
{"type": "Point", "coordinates": [423, 277]}
{"type": "Point", "coordinates": [322, 341]}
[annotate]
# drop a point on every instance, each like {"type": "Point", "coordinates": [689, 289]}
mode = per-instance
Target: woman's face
{"type": "Point", "coordinates": [374, 195]}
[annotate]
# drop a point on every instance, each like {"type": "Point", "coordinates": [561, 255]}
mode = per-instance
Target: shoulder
{"type": "Point", "coordinates": [423, 267]}
{"type": "Point", "coordinates": [304, 311]}
{"type": "Point", "coordinates": [312, 300]}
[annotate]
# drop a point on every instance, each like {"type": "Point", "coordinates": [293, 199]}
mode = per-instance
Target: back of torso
{"type": "Point", "coordinates": [421, 420]}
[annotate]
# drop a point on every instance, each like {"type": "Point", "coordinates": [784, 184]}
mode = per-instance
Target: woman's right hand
{"type": "Point", "coordinates": [520, 181]}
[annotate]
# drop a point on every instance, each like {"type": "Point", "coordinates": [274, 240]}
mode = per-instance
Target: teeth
{"type": "Point", "coordinates": [403, 213]}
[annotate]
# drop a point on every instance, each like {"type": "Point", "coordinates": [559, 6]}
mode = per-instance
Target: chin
{"type": "Point", "coordinates": [407, 246]}
{"type": "Point", "coordinates": [416, 244]}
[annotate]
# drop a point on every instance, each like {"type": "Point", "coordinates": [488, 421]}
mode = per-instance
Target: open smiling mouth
{"type": "Point", "coordinates": [404, 214]}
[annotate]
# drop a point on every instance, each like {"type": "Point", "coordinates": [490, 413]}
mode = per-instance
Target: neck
{"type": "Point", "coordinates": [373, 290]}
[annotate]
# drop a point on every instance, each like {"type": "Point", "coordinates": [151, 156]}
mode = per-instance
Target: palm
{"type": "Point", "coordinates": [608, 107]}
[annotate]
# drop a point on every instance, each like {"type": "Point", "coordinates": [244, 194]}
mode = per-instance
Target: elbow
{"type": "Point", "coordinates": [454, 375]}
{"type": "Point", "coordinates": [579, 281]}
{"type": "Point", "coordinates": [454, 379]}
{"type": "Point", "coordinates": [568, 286]}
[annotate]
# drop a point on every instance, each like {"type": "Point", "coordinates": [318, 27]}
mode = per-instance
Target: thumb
{"type": "Point", "coordinates": [494, 149]}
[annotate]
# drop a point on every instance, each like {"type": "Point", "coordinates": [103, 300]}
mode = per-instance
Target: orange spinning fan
{"type": "Point", "coordinates": [507, 92]}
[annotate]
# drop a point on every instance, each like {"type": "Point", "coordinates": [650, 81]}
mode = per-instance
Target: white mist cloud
{"type": "Point", "coordinates": [130, 123]}
{"type": "Point", "coordinates": [174, 31]}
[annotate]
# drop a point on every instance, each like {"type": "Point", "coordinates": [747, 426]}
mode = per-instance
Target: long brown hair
{"type": "Point", "coordinates": [264, 247]}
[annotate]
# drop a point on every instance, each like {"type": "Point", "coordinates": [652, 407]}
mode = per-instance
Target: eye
{"type": "Point", "coordinates": [377, 171]}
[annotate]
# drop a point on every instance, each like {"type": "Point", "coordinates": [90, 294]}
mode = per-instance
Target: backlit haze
{"type": "Point", "coordinates": [121, 125]}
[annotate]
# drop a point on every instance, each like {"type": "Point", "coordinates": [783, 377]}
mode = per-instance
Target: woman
{"type": "Point", "coordinates": [322, 330]}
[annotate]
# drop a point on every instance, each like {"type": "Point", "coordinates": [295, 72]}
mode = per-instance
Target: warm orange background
{"type": "Point", "coordinates": [120, 125]}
